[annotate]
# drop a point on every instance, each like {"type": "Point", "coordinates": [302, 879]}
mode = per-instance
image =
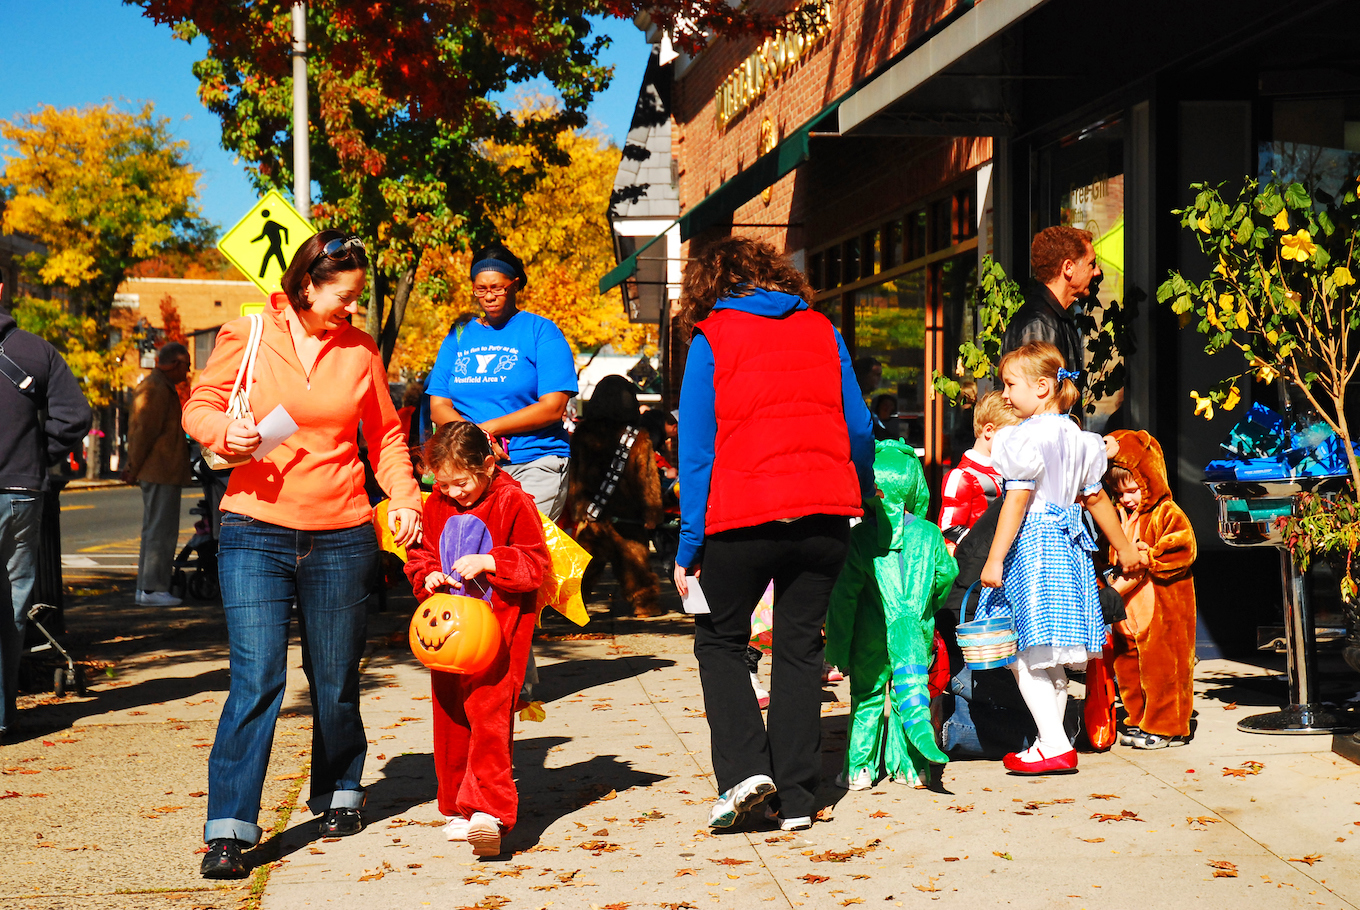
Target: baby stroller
{"type": "Point", "coordinates": [67, 675]}
{"type": "Point", "coordinates": [195, 568]}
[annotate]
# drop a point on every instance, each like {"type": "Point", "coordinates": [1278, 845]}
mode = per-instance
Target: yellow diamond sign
{"type": "Point", "coordinates": [262, 244]}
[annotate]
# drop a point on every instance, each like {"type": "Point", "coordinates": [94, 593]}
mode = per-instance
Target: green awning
{"type": "Point", "coordinates": [628, 267]}
{"type": "Point", "coordinates": [718, 206]}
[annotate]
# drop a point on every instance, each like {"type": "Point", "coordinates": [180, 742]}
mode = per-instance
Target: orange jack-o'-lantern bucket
{"type": "Point", "coordinates": [455, 634]}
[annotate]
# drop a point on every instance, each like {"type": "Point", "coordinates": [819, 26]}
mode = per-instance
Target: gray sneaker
{"type": "Point", "coordinates": [739, 800]}
{"type": "Point", "coordinates": [1153, 741]}
{"type": "Point", "coordinates": [1130, 736]}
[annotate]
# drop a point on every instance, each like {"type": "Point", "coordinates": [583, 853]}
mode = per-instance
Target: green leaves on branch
{"type": "Point", "coordinates": [1281, 292]}
{"type": "Point", "coordinates": [998, 299]}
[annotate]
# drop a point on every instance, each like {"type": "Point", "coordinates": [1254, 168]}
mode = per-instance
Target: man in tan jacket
{"type": "Point", "coordinates": [158, 460]}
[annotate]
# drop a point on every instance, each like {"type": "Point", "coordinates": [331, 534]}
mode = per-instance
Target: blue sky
{"type": "Point", "coordinates": [75, 52]}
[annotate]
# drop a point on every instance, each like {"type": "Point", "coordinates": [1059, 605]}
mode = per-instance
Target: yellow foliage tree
{"type": "Point", "coordinates": [102, 190]}
{"type": "Point", "coordinates": [561, 232]}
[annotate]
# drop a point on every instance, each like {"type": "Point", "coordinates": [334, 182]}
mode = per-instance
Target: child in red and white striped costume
{"type": "Point", "coordinates": [974, 483]}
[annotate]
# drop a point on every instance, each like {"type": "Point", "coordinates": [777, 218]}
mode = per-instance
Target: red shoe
{"type": "Point", "coordinates": [1065, 763]}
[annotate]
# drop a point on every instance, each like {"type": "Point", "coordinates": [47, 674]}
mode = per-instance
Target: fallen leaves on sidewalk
{"type": "Point", "coordinates": [1037, 804]}
{"type": "Point", "coordinates": [566, 877]}
{"type": "Point", "coordinates": [377, 873]}
{"type": "Point", "coordinates": [844, 856]}
{"type": "Point", "coordinates": [1230, 706]}
{"type": "Point", "coordinates": [598, 846]}
{"type": "Point", "coordinates": [1126, 815]}
{"type": "Point", "coordinates": [1204, 820]}
{"type": "Point", "coordinates": [1104, 796]}
{"type": "Point", "coordinates": [490, 902]}
{"type": "Point", "coordinates": [1309, 859]}
{"type": "Point", "coordinates": [1093, 840]}
{"type": "Point", "coordinates": [681, 905]}
{"type": "Point", "coordinates": [879, 814]}
{"type": "Point", "coordinates": [680, 872]}
{"type": "Point", "coordinates": [1006, 856]}
{"type": "Point", "coordinates": [473, 880]}
{"type": "Point", "coordinates": [961, 809]}
{"type": "Point", "coordinates": [929, 887]}
{"type": "Point", "coordinates": [813, 878]}
{"type": "Point", "coordinates": [402, 822]}
{"type": "Point", "coordinates": [513, 872]}
{"type": "Point", "coordinates": [298, 776]}
{"type": "Point", "coordinates": [729, 861]}
{"type": "Point", "coordinates": [852, 900]}
{"type": "Point", "coordinates": [1222, 868]}
{"type": "Point", "coordinates": [1248, 767]}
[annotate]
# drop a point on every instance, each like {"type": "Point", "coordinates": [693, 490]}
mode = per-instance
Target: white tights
{"type": "Point", "coordinates": [1045, 693]}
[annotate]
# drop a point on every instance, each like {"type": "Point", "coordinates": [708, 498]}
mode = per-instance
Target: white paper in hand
{"type": "Point", "coordinates": [694, 601]}
{"type": "Point", "coordinates": [273, 430]}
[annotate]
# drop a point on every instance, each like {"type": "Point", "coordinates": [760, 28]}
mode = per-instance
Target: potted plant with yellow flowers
{"type": "Point", "coordinates": [1282, 296]}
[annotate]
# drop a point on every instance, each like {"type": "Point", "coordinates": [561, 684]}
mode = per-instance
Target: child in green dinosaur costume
{"type": "Point", "coordinates": [881, 623]}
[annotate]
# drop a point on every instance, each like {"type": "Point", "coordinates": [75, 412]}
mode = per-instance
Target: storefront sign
{"type": "Point", "coordinates": [776, 56]}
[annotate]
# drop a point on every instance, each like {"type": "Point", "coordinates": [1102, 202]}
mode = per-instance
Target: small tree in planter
{"type": "Point", "coordinates": [1282, 294]}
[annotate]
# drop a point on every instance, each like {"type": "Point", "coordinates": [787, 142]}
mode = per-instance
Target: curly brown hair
{"type": "Point", "coordinates": [1055, 245]}
{"type": "Point", "coordinates": [734, 267]}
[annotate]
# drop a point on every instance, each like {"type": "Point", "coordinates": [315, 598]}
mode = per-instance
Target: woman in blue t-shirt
{"type": "Point", "coordinates": [511, 373]}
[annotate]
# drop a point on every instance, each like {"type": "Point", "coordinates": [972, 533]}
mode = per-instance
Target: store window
{"type": "Point", "coordinates": [1081, 184]}
{"type": "Point", "coordinates": [1315, 142]}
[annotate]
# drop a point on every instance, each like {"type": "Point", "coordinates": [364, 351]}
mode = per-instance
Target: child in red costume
{"type": "Point", "coordinates": [483, 538]}
{"type": "Point", "coordinates": [973, 484]}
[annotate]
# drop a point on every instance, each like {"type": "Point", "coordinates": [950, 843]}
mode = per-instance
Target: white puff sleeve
{"type": "Point", "coordinates": [1017, 456]}
{"type": "Point", "coordinates": [1093, 462]}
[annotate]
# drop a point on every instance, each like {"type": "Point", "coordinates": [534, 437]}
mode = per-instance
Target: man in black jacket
{"type": "Point", "coordinates": [1065, 269]}
{"type": "Point", "coordinates": [45, 416]}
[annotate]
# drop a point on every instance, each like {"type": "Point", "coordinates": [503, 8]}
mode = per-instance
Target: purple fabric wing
{"type": "Point", "coordinates": [465, 535]}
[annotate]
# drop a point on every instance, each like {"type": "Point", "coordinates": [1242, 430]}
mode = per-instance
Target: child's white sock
{"type": "Point", "coordinates": [1037, 688]}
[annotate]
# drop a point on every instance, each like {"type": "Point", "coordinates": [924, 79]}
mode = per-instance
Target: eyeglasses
{"type": "Point", "coordinates": [493, 292]}
{"type": "Point", "coordinates": [339, 248]}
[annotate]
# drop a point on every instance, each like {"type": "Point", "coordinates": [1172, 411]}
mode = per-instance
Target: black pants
{"type": "Point", "coordinates": [803, 558]}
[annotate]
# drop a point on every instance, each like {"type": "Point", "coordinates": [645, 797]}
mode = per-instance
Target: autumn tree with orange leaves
{"type": "Point", "coordinates": [405, 98]}
{"type": "Point", "coordinates": [561, 232]}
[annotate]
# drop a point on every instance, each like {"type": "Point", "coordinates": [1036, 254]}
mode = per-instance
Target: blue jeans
{"type": "Point", "coordinates": [20, 520]}
{"type": "Point", "coordinates": [264, 568]}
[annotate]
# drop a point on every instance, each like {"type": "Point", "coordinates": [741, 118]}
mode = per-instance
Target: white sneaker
{"type": "Point", "coordinates": [456, 828]}
{"type": "Point", "coordinates": [801, 823]}
{"type": "Point", "coordinates": [157, 599]}
{"type": "Point", "coordinates": [739, 800]}
{"type": "Point", "coordinates": [862, 780]}
{"type": "Point", "coordinates": [484, 833]}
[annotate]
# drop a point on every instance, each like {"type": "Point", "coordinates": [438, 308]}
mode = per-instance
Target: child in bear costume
{"type": "Point", "coordinates": [1154, 648]}
{"type": "Point", "coordinates": [880, 624]}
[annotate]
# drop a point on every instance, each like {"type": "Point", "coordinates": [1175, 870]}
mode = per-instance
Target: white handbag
{"type": "Point", "coordinates": [238, 404]}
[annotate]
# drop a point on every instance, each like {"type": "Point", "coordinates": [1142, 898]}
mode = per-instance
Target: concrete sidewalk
{"type": "Point", "coordinates": [615, 787]}
{"type": "Point", "coordinates": [102, 797]}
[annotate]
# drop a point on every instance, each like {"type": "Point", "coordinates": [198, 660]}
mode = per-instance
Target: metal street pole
{"type": "Point", "coordinates": [302, 164]}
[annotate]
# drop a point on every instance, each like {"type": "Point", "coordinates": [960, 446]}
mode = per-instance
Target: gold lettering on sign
{"type": "Point", "coordinates": [769, 138]}
{"type": "Point", "coordinates": [776, 56]}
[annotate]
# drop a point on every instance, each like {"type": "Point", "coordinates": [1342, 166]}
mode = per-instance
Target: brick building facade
{"type": "Point", "coordinates": [911, 137]}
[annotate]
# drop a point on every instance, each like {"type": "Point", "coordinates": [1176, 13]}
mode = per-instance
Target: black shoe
{"type": "Point", "coordinates": [341, 822]}
{"type": "Point", "coordinates": [224, 859]}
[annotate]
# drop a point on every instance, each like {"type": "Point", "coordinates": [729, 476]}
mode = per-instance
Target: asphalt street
{"type": "Point", "coordinates": [102, 527]}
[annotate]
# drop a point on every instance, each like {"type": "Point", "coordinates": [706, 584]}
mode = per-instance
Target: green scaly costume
{"type": "Point", "coordinates": [880, 624]}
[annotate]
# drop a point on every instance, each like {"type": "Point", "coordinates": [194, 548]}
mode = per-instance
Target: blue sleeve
{"type": "Point", "coordinates": [698, 433]}
{"type": "Point", "coordinates": [438, 382]}
{"type": "Point", "coordinates": [858, 422]}
{"type": "Point", "coordinates": [556, 365]}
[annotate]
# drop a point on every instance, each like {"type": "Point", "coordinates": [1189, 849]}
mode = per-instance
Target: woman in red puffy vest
{"type": "Point", "coordinates": [776, 456]}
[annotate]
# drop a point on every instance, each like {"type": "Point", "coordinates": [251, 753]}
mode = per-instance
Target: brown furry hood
{"type": "Point", "coordinates": [1141, 456]}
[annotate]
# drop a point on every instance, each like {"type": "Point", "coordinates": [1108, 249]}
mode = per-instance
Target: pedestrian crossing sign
{"type": "Point", "coordinates": [263, 242]}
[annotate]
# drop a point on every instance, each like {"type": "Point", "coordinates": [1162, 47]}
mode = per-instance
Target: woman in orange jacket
{"type": "Point", "coordinates": [296, 528]}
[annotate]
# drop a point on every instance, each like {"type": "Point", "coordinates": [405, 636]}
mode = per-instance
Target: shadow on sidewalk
{"type": "Point", "coordinates": [559, 680]}
{"type": "Point", "coordinates": [549, 794]}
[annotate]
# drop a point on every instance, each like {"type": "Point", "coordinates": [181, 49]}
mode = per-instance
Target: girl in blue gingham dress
{"type": "Point", "coordinates": [1039, 566]}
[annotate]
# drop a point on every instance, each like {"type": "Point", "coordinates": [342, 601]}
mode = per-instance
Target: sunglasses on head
{"type": "Point", "coordinates": [339, 248]}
